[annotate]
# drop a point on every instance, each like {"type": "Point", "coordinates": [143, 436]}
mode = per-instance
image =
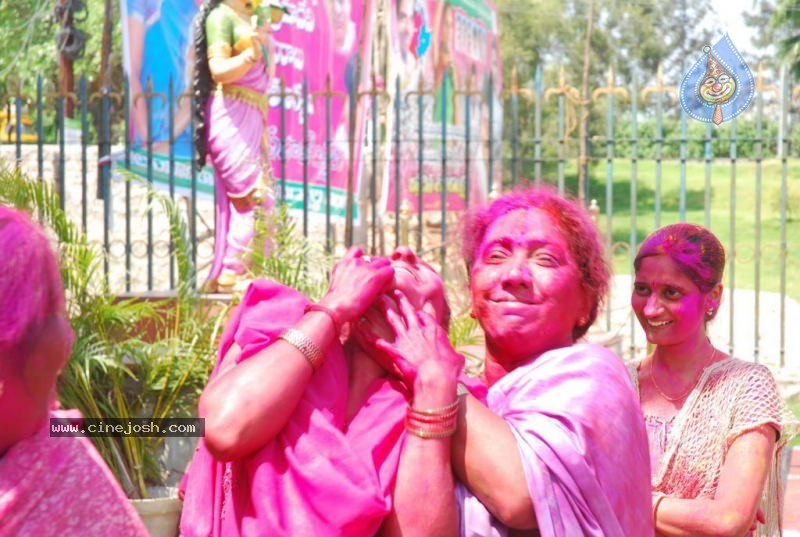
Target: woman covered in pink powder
{"type": "Point", "coordinates": [303, 426]}
{"type": "Point", "coordinates": [49, 485]}
{"type": "Point", "coordinates": [550, 440]}
{"type": "Point", "coordinates": [233, 67]}
{"type": "Point", "coordinates": [716, 424]}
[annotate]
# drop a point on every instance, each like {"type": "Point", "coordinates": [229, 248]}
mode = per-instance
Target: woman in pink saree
{"type": "Point", "coordinates": [233, 66]}
{"type": "Point", "coordinates": [549, 440]}
{"type": "Point", "coordinates": [49, 485]}
{"type": "Point", "coordinates": [303, 431]}
{"type": "Point", "coordinates": [717, 425]}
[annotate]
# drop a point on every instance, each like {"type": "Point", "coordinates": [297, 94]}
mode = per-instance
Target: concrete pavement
{"type": "Point", "coordinates": [791, 501]}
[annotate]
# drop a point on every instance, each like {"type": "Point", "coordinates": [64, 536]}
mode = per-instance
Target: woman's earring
{"type": "Point", "coordinates": [472, 314]}
{"type": "Point", "coordinates": [710, 313]}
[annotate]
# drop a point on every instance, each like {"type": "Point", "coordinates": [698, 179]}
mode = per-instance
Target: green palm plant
{"type": "Point", "coordinates": [786, 18]}
{"type": "Point", "coordinates": [286, 256]}
{"type": "Point", "coordinates": [117, 368]}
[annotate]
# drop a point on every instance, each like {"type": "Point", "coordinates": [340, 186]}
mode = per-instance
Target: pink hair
{"type": "Point", "coordinates": [583, 239]}
{"type": "Point", "coordinates": [30, 285]}
{"type": "Point", "coordinates": [695, 250]}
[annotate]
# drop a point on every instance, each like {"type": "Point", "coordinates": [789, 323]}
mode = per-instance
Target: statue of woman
{"type": "Point", "coordinates": [233, 67]}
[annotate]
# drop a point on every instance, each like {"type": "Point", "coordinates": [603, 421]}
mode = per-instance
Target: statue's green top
{"type": "Point", "coordinates": [228, 30]}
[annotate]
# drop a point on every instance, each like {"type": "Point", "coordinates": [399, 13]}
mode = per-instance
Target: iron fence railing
{"type": "Point", "coordinates": [645, 165]}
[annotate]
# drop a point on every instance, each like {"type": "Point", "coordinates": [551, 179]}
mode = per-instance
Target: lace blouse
{"type": "Point", "coordinates": [731, 398]}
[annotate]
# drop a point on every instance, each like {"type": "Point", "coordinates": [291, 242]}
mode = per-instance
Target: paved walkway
{"type": "Point", "coordinates": [791, 501]}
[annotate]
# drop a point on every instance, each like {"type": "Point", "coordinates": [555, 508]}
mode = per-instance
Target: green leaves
{"type": "Point", "coordinates": [786, 19]}
{"type": "Point", "coordinates": [281, 253]}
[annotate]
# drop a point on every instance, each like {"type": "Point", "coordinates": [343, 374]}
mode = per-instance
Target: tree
{"type": "Point", "coordinates": [632, 36]}
{"type": "Point", "coordinates": [786, 20]}
{"type": "Point", "coordinates": [28, 44]}
{"type": "Point", "coordinates": [759, 19]}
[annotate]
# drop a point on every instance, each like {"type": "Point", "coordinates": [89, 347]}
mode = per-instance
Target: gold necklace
{"type": "Point", "coordinates": [692, 387]}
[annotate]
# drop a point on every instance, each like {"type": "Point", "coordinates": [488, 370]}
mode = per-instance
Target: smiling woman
{"type": "Point", "coordinates": [535, 443]}
{"type": "Point", "coordinates": [716, 425]}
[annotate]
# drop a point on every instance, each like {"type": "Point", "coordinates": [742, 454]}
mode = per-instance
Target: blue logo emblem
{"type": "Point", "coordinates": [719, 86]}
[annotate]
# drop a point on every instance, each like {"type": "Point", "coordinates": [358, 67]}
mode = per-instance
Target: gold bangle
{"type": "Point", "coordinates": [422, 433]}
{"type": "Point", "coordinates": [436, 411]}
{"type": "Point", "coordinates": [337, 325]}
{"type": "Point", "coordinates": [433, 423]}
{"type": "Point", "coordinates": [305, 345]}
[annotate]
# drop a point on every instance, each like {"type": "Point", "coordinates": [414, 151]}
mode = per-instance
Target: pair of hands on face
{"type": "Point", "coordinates": [356, 282]}
{"type": "Point", "coordinates": [409, 339]}
{"type": "Point", "coordinates": [362, 289]}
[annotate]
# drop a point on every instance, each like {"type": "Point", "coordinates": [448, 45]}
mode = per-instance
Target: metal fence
{"type": "Point", "coordinates": [639, 164]}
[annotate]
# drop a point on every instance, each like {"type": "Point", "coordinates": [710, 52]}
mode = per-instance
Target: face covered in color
{"type": "Point", "coordinates": [669, 306]}
{"type": "Point", "coordinates": [423, 288]}
{"type": "Point", "coordinates": [526, 287]}
{"type": "Point", "coordinates": [28, 389]}
{"type": "Point", "coordinates": [419, 283]}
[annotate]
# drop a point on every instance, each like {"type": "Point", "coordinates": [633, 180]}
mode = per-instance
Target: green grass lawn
{"type": "Point", "coordinates": [795, 406]}
{"type": "Point", "coordinates": [731, 211]}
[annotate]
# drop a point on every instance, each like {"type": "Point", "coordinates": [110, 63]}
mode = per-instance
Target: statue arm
{"type": "Point", "coordinates": [225, 67]}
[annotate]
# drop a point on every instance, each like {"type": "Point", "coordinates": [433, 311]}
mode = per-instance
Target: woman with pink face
{"type": "Point", "coordinates": [49, 485]}
{"type": "Point", "coordinates": [303, 424]}
{"type": "Point", "coordinates": [549, 438]}
{"type": "Point", "coordinates": [716, 424]}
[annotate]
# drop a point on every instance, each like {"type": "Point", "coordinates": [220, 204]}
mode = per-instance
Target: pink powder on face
{"type": "Point", "coordinates": [669, 306]}
{"type": "Point", "coordinates": [583, 239]}
{"type": "Point", "coordinates": [420, 283]}
{"type": "Point", "coordinates": [694, 249]}
{"type": "Point", "coordinates": [30, 289]}
{"type": "Point", "coordinates": [525, 286]}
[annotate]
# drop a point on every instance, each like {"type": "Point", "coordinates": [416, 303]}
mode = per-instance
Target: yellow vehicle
{"type": "Point", "coordinates": [8, 128]}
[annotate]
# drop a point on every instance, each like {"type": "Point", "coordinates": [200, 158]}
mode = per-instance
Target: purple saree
{"type": "Point", "coordinates": [582, 443]}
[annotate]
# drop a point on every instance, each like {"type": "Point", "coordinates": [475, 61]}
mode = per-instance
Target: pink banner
{"type": "Point", "coordinates": [316, 39]}
{"type": "Point", "coordinates": [444, 51]}
{"type": "Point", "coordinates": [319, 40]}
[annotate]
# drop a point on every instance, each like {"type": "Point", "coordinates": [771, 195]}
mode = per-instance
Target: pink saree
{"type": "Point", "coordinates": [320, 475]}
{"type": "Point", "coordinates": [61, 486]}
{"type": "Point", "coordinates": [237, 152]}
{"type": "Point", "coordinates": [582, 443]}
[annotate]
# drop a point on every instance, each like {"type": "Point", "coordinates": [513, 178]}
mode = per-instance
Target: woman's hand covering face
{"type": "Point", "coordinates": [418, 337]}
{"type": "Point", "coordinates": [356, 282]}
